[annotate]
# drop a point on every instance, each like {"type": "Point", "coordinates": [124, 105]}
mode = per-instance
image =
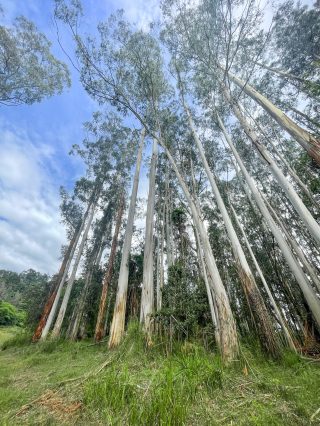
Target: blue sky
{"type": "Point", "coordinates": [35, 142]}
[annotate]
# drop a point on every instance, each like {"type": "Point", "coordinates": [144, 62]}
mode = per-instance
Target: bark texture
{"type": "Point", "coordinates": [118, 320]}
{"type": "Point", "coordinates": [99, 331]}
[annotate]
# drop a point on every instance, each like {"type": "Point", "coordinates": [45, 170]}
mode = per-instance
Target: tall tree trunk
{"type": "Point", "coordinates": [287, 187]}
{"type": "Point", "coordinates": [202, 265]}
{"type": "Point", "coordinates": [99, 331]}
{"type": "Point", "coordinates": [147, 295]}
{"type": "Point", "coordinates": [287, 75]}
{"type": "Point", "coordinates": [55, 299]}
{"type": "Point", "coordinates": [118, 321]}
{"type": "Point", "coordinates": [160, 264]}
{"type": "Point", "coordinates": [304, 138]}
{"type": "Point", "coordinates": [58, 324]}
{"type": "Point", "coordinates": [265, 284]}
{"type": "Point", "coordinates": [309, 294]}
{"type": "Point", "coordinates": [213, 308]}
{"type": "Point", "coordinates": [314, 277]}
{"type": "Point", "coordinates": [228, 333]}
{"type": "Point", "coordinates": [64, 266]}
{"type": "Point", "coordinates": [262, 318]}
{"type": "Point", "coordinates": [169, 250]}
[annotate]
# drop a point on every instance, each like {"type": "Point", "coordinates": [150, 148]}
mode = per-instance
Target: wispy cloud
{"type": "Point", "coordinates": [30, 231]}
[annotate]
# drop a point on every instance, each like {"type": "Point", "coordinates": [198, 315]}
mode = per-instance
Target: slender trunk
{"type": "Point", "coordinates": [202, 265]}
{"type": "Point", "coordinates": [308, 119]}
{"type": "Point", "coordinates": [304, 138]}
{"type": "Point", "coordinates": [64, 266]}
{"type": "Point", "coordinates": [265, 284]}
{"type": "Point", "coordinates": [147, 295]}
{"type": "Point", "coordinates": [213, 308]}
{"type": "Point", "coordinates": [56, 298]}
{"type": "Point", "coordinates": [293, 174]}
{"type": "Point", "coordinates": [58, 324]}
{"type": "Point", "coordinates": [296, 201]}
{"type": "Point", "coordinates": [228, 333]}
{"type": "Point", "coordinates": [287, 75]}
{"type": "Point", "coordinates": [309, 294]}
{"type": "Point", "coordinates": [78, 311]}
{"type": "Point", "coordinates": [118, 321]}
{"type": "Point", "coordinates": [99, 332]}
{"type": "Point", "coordinates": [295, 247]}
{"type": "Point", "coordinates": [161, 267]}
{"type": "Point", "coordinates": [167, 220]}
{"type": "Point", "coordinates": [262, 318]}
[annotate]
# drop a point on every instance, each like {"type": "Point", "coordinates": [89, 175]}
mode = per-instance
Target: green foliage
{"type": "Point", "coordinates": [27, 291]}
{"type": "Point", "coordinates": [29, 71]}
{"type": "Point", "coordinates": [185, 307]}
{"type": "Point", "coordinates": [10, 315]}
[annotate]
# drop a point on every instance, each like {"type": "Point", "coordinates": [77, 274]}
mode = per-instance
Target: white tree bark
{"type": "Point", "coordinates": [309, 294]}
{"type": "Point", "coordinates": [118, 320]}
{"type": "Point", "coordinates": [265, 284]}
{"type": "Point", "coordinates": [287, 187]}
{"type": "Point", "coordinates": [58, 324]}
{"type": "Point", "coordinates": [314, 277]}
{"type": "Point", "coordinates": [160, 276]}
{"type": "Point", "coordinates": [228, 333]}
{"type": "Point", "coordinates": [213, 308]}
{"type": "Point", "coordinates": [304, 138]}
{"type": "Point", "coordinates": [147, 295]}
{"type": "Point", "coordinates": [251, 290]}
{"type": "Point", "coordinates": [53, 310]}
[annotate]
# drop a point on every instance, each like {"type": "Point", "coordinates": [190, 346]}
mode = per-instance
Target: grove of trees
{"type": "Point", "coordinates": [225, 106]}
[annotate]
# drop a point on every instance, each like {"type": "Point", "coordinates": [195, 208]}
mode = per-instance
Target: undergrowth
{"type": "Point", "coordinates": [140, 385]}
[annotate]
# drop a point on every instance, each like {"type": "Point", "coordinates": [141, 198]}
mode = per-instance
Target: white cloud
{"type": "Point", "coordinates": [30, 232]}
{"type": "Point", "coordinates": [140, 12]}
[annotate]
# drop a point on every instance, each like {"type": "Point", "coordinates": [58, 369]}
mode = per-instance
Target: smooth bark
{"type": "Point", "coordinates": [58, 324]}
{"type": "Point", "coordinates": [55, 300]}
{"type": "Point", "coordinates": [304, 138]}
{"type": "Point", "coordinates": [287, 187]}
{"type": "Point", "coordinates": [118, 320]}
{"type": "Point", "coordinates": [47, 307]}
{"type": "Point", "coordinates": [147, 295]}
{"type": "Point", "coordinates": [265, 284]}
{"type": "Point", "coordinates": [99, 331]}
{"type": "Point", "coordinates": [228, 334]}
{"type": "Point", "coordinates": [308, 292]}
{"type": "Point", "coordinates": [255, 301]}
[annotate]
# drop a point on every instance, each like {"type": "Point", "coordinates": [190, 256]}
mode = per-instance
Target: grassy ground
{"type": "Point", "coordinates": [80, 383]}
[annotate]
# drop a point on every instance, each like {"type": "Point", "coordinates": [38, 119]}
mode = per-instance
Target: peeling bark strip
{"type": "Point", "coordinates": [99, 332]}
{"type": "Point", "coordinates": [261, 316]}
{"type": "Point", "coordinates": [118, 321]}
{"type": "Point", "coordinates": [147, 295]}
{"type": "Point", "coordinates": [308, 292]}
{"type": "Point", "coordinates": [304, 138]}
{"type": "Point", "coordinates": [287, 187]}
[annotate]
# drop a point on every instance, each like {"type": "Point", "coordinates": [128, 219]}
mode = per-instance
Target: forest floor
{"type": "Point", "coordinates": [81, 383]}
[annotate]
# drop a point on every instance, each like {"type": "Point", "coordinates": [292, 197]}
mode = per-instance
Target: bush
{"type": "Point", "coordinates": [10, 315]}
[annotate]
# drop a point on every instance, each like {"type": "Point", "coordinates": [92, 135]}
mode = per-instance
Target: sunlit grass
{"type": "Point", "coordinates": [148, 386]}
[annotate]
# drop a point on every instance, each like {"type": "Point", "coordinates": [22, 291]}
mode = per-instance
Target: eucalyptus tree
{"type": "Point", "coordinates": [262, 318]}
{"type": "Point", "coordinates": [147, 296]}
{"type": "Point", "coordinates": [125, 70]}
{"type": "Point", "coordinates": [99, 241]}
{"type": "Point", "coordinates": [74, 218]}
{"type": "Point", "coordinates": [29, 71]}
{"type": "Point", "coordinates": [118, 321]}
